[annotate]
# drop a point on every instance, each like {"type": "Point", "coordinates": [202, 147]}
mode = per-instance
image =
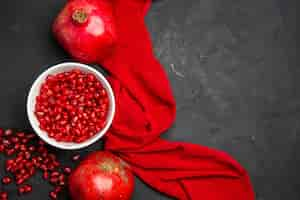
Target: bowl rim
{"type": "Point", "coordinates": [30, 112]}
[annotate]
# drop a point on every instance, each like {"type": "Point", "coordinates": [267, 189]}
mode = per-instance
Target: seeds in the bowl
{"type": "Point", "coordinates": [72, 106]}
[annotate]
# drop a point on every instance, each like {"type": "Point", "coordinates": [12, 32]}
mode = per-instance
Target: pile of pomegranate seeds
{"type": "Point", "coordinates": [28, 154]}
{"type": "Point", "coordinates": [72, 106]}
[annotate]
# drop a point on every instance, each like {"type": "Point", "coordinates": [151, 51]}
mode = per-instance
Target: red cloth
{"type": "Point", "coordinates": [146, 109]}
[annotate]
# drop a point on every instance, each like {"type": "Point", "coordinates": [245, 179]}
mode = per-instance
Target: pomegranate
{"type": "Point", "coordinates": [86, 30]}
{"type": "Point", "coordinates": [101, 175]}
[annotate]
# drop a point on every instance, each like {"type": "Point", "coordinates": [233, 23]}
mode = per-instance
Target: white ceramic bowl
{"type": "Point", "coordinates": [35, 90]}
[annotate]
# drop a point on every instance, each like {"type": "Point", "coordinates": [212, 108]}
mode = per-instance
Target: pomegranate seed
{"type": "Point", "coordinates": [22, 171]}
{"type": "Point", "coordinates": [54, 174]}
{"type": "Point", "coordinates": [57, 189]}
{"type": "Point", "coordinates": [8, 132]}
{"type": "Point", "coordinates": [56, 164]}
{"type": "Point", "coordinates": [51, 167]}
{"type": "Point", "coordinates": [22, 147]}
{"type": "Point", "coordinates": [51, 156]}
{"type": "Point", "coordinates": [27, 188]}
{"type": "Point", "coordinates": [20, 181]}
{"type": "Point", "coordinates": [53, 180]}
{"type": "Point", "coordinates": [61, 177]}
{"type": "Point", "coordinates": [31, 148]}
{"type": "Point", "coordinates": [1, 132]}
{"type": "Point", "coordinates": [21, 190]}
{"type": "Point", "coordinates": [53, 195]}
{"type": "Point", "coordinates": [62, 183]}
{"type": "Point", "coordinates": [41, 143]}
{"type": "Point", "coordinates": [8, 168]}
{"type": "Point", "coordinates": [44, 154]}
{"type": "Point", "coordinates": [30, 136]}
{"type": "Point", "coordinates": [40, 159]}
{"type": "Point", "coordinates": [17, 146]}
{"type": "Point", "coordinates": [67, 170]}
{"type": "Point", "coordinates": [9, 162]}
{"type": "Point", "coordinates": [2, 148]}
{"type": "Point", "coordinates": [27, 155]}
{"type": "Point", "coordinates": [46, 175]}
{"type": "Point", "coordinates": [103, 92]}
{"type": "Point", "coordinates": [26, 176]}
{"type": "Point", "coordinates": [9, 152]}
{"type": "Point", "coordinates": [6, 180]}
{"type": "Point", "coordinates": [43, 167]}
{"type": "Point", "coordinates": [19, 159]}
{"type": "Point", "coordinates": [20, 134]}
{"type": "Point", "coordinates": [6, 143]}
{"type": "Point", "coordinates": [31, 171]}
{"type": "Point", "coordinates": [3, 195]}
{"type": "Point", "coordinates": [24, 140]}
{"type": "Point", "coordinates": [76, 157]}
{"type": "Point", "coordinates": [15, 139]}
{"type": "Point", "coordinates": [28, 165]}
{"type": "Point", "coordinates": [46, 161]}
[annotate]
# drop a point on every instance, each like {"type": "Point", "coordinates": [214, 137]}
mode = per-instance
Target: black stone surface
{"type": "Point", "coordinates": [233, 67]}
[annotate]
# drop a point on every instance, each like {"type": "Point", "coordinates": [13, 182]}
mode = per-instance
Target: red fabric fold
{"type": "Point", "coordinates": [146, 108]}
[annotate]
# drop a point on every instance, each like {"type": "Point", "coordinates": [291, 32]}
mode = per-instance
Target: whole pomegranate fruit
{"type": "Point", "coordinates": [86, 29]}
{"type": "Point", "coordinates": [101, 176]}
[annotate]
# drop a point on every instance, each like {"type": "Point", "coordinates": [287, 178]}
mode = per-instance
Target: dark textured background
{"type": "Point", "coordinates": [232, 65]}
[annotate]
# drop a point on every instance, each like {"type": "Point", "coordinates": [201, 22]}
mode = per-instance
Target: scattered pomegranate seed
{"type": "Point", "coordinates": [31, 171]}
{"type": "Point", "coordinates": [46, 175]}
{"type": "Point", "coordinates": [72, 106]}
{"type": "Point", "coordinates": [61, 177]}
{"type": "Point", "coordinates": [76, 157]}
{"type": "Point", "coordinates": [3, 195]}
{"type": "Point", "coordinates": [6, 180]}
{"type": "Point", "coordinates": [2, 148]}
{"type": "Point", "coordinates": [21, 190]}
{"type": "Point", "coordinates": [56, 164]}
{"type": "Point", "coordinates": [20, 181]}
{"type": "Point", "coordinates": [28, 158]}
{"type": "Point", "coordinates": [22, 171]}
{"type": "Point", "coordinates": [57, 189]}
{"type": "Point", "coordinates": [27, 188]}
{"type": "Point", "coordinates": [53, 195]}
{"type": "Point", "coordinates": [67, 170]}
{"type": "Point", "coordinates": [54, 174]}
{"type": "Point", "coordinates": [53, 180]}
{"type": "Point", "coordinates": [62, 183]}
{"type": "Point", "coordinates": [9, 152]}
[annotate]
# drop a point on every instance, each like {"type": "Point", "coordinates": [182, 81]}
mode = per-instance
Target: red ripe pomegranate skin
{"type": "Point", "coordinates": [101, 176]}
{"type": "Point", "coordinates": [86, 29]}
